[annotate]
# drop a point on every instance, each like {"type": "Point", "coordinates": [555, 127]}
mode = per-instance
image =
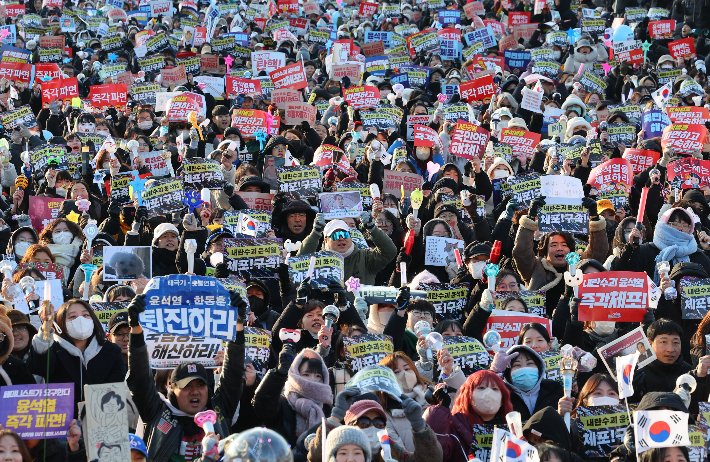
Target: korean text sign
{"type": "Point", "coordinates": [684, 138]}
{"type": "Point", "coordinates": [189, 305]}
{"type": "Point", "coordinates": [59, 89]}
{"type": "Point", "coordinates": [38, 411]}
{"type": "Point", "coordinates": [620, 296]}
{"type": "Point", "coordinates": [523, 142]}
{"type": "Point", "coordinates": [509, 326]}
{"type": "Point", "coordinates": [108, 95]}
{"type": "Point", "coordinates": [469, 140]}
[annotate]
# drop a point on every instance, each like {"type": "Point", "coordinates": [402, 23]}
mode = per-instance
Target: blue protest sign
{"type": "Point", "coordinates": [450, 49]}
{"type": "Point", "coordinates": [189, 305]}
{"type": "Point", "coordinates": [653, 122]}
{"type": "Point", "coordinates": [400, 78]}
{"type": "Point", "coordinates": [376, 36]}
{"type": "Point", "coordinates": [517, 59]}
{"type": "Point", "coordinates": [449, 17]}
{"type": "Point", "coordinates": [484, 35]}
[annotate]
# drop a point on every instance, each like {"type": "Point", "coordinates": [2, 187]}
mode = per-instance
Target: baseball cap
{"type": "Point", "coordinates": [117, 320]}
{"type": "Point", "coordinates": [359, 408]}
{"type": "Point", "coordinates": [605, 204]}
{"type": "Point", "coordinates": [138, 444]}
{"type": "Point", "coordinates": [187, 372]}
{"type": "Point", "coordinates": [333, 226]}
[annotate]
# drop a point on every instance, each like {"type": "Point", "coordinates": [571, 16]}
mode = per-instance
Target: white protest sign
{"type": "Point", "coordinates": [532, 100]}
{"type": "Point", "coordinates": [213, 85]}
{"type": "Point", "coordinates": [440, 251]}
{"type": "Point", "coordinates": [559, 189]}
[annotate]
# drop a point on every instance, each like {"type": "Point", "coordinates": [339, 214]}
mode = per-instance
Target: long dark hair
{"type": "Point", "coordinates": [536, 326]}
{"type": "Point", "coordinates": [62, 321]}
{"type": "Point", "coordinates": [592, 383]}
{"type": "Point", "coordinates": [24, 452]}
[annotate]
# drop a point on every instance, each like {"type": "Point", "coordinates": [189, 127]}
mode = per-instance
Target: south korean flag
{"type": "Point", "coordinates": [660, 429]}
{"type": "Point", "coordinates": [507, 448]}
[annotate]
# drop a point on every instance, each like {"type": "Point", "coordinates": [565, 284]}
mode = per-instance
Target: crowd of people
{"type": "Point", "coordinates": [232, 145]}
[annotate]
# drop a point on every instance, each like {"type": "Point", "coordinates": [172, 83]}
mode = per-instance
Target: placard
{"type": "Point", "coordinates": [525, 187]}
{"type": "Point", "coordinates": [469, 140]}
{"type": "Point", "coordinates": [640, 159]}
{"type": "Point", "coordinates": [244, 255]}
{"type": "Point", "coordinates": [684, 48]}
{"type": "Point", "coordinates": [362, 97]}
{"type": "Point", "coordinates": [509, 323]}
{"type": "Point", "coordinates": [202, 173]}
{"type": "Point", "coordinates": [43, 210]}
{"type": "Point", "coordinates": [298, 177]}
{"type": "Point", "coordinates": [164, 196]}
{"type": "Point", "coordinates": [695, 296]}
{"type": "Point", "coordinates": [127, 263]}
{"type": "Point", "coordinates": [619, 296]}
{"type": "Point", "coordinates": [601, 429]}
{"type": "Point", "coordinates": [106, 424]}
{"type": "Point", "coordinates": [625, 345]}
{"type": "Point", "coordinates": [376, 378]}
{"type": "Point", "coordinates": [478, 90]}
{"type": "Point", "coordinates": [684, 138]}
{"type": "Point", "coordinates": [329, 266]}
{"type": "Point", "coordinates": [523, 142]}
{"type": "Point", "coordinates": [394, 182]}
{"type": "Point", "coordinates": [340, 204]}
{"type": "Point", "coordinates": [167, 351]}
{"type": "Point", "coordinates": [366, 350]}
{"type": "Point", "coordinates": [449, 300]}
{"type": "Point", "coordinates": [38, 411]}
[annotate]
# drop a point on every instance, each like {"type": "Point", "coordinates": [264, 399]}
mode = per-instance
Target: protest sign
{"type": "Point", "coordinates": [154, 161]}
{"type": "Point", "coordinates": [348, 69]}
{"type": "Point", "coordinates": [379, 120]}
{"type": "Point", "coordinates": [257, 200]}
{"type": "Point", "coordinates": [252, 256]}
{"type": "Point", "coordinates": [612, 180]}
{"type": "Point", "coordinates": [426, 41]}
{"type": "Point", "coordinates": [164, 196]}
{"type": "Point", "coordinates": [127, 263]}
{"type": "Point", "coordinates": [621, 133]}
{"type": "Point", "coordinates": [249, 122]}
{"type": "Point", "coordinates": [22, 116]}
{"type": "Point", "coordinates": [298, 177]}
{"type": "Point", "coordinates": [625, 345]}
{"type": "Point", "coordinates": [601, 429]}
{"type": "Point", "coordinates": [564, 218]}
{"type": "Point", "coordinates": [174, 75]}
{"type": "Point", "coordinates": [144, 93]}
{"type": "Point", "coordinates": [468, 353]}
{"type": "Point", "coordinates": [59, 89]}
{"type": "Point", "coordinates": [688, 172]}
{"type": "Point", "coordinates": [296, 113]}
{"type": "Point", "coordinates": [50, 271]}
{"type": "Point", "coordinates": [551, 358]}
{"type": "Point", "coordinates": [106, 423]}
{"type": "Point", "coordinates": [257, 344]}
{"type": "Point", "coordinates": [362, 188]}
{"type": "Point", "coordinates": [167, 351]}
{"type": "Point", "coordinates": [661, 30]}
{"type": "Point", "coordinates": [449, 300]}
{"type": "Point", "coordinates": [525, 187]}
{"type": "Point", "coordinates": [238, 86]}
{"type": "Point", "coordinates": [620, 296]}
{"type": "Point", "coordinates": [478, 90]}
{"type": "Point", "coordinates": [523, 142]}
{"type": "Point", "coordinates": [119, 187]}
{"type": "Point", "coordinates": [482, 441]}
{"type": "Point", "coordinates": [282, 96]}
{"type": "Point", "coordinates": [108, 95]}
{"type": "Point", "coordinates": [695, 297]}
{"type": "Point", "coordinates": [293, 77]}
{"type": "Point", "coordinates": [509, 323]}
{"type": "Point", "coordinates": [440, 251]}
{"type": "Point", "coordinates": [376, 378]}
{"type": "Point", "coordinates": [366, 350]}
{"type": "Point", "coordinates": [267, 61]}
{"type": "Point", "coordinates": [426, 136]}
{"type": "Point", "coordinates": [532, 101]}
{"type": "Point", "coordinates": [57, 297]}
{"type": "Point", "coordinates": [684, 48]}
{"type": "Point", "coordinates": [104, 310]}
{"type": "Point", "coordinates": [43, 210]}
{"type": "Point", "coordinates": [340, 204]}
{"type": "Point", "coordinates": [395, 181]}
{"type": "Point", "coordinates": [641, 159]}
{"type": "Point", "coordinates": [255, 223]}
{"type": "Point", "coordinates": [198, 306]}
{"type": "Point", "coordinates": [592, 83]}
{"type": "Point", "coordinates": [469, 140]}
{"type": "Point", "coordinates": [690, 115]}
{"type": "Point", "coordinates": [329, 266]}
{"type": "Point", "coordinates": [202, 173]}
{"type": "Point", "coordinates": [39, 411]}
{"type": "Point", "coordinates": [362, 97]}
{"type": "Point", "coordinates": [534, 299]}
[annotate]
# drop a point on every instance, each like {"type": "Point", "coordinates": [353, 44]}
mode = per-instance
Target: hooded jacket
{"type": "Point", "coordinates": [419, 250]}
{"type": "Point", "coordinates": [279, 220]}
{"type": "Point", "coordinates": [163, 421]}
{"type": "Point", "coordinates": [266, 317]}
{"type": "Point", "coordinates": [574, 61]}
{"type": "Point", "coordinates": [13, 239]}
{"type": "Point", "coordinates": [544, 393]}
{"type": "Point", "coordinates": [548, 424]}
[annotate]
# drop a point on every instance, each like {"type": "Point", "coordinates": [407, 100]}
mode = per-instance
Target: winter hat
{"type": "Point", "coordinates": [441, 208]}
{"type": "Point", "coordinates": [18, 318]}
{"type": "Point", "coordinates": [575, 123]}
{"type": "Point", "coordinates": [346, 434]}
{"type": "Point", "coordinates": [666, 59]}
{"type": "Point", "coordinates": [574, 100]}
{"type": "Point", "coordinates": [445, 182]}
{"type": "Point", "coordinates": [583, 43]}
{"type": "Point", "coordinates": [517, 122]}
{"type": "Point", "coordinates": [162, 229]}
{"type": "Point", "coordinates": [476, 248]}
{"type": "Point", "coordinates": [667, 214]}
{"type": "Point", "coordinates": [335, 225]}
{"type": "Point", "coordinates": [358, 408]}
{"type": "Point", "coordinates": [504, 112]}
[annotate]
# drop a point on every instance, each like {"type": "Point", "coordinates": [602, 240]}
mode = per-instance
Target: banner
{"type": "Point", "coordinates": [395, 182]}
{"type": "Point", "coordinates": [329, 266]}
{"type": "Point", "coordinates": [198, 306]}
{"type": "Point", "coordinates": [523, 142]}
{"type": "Point", "coordinates": [38, 411]}
{"type": "Point", "coordinates": [684, 48]}
{"type": "Point", "coordinates": [376, 378]}
{"type": "Point", "coordinates": [293, 77]}
{"type": "Point", "coordinates": [695, 296]}
{"type": "Point", "coordinates": [563, 218]}
{"type": "Point", "coordinates": [60, 89]}
{"type": "Point", "coordinates": [509, 323]}
{"type": "Point", "coordinates": [167, 351]}
{"type": "Point", "coordinates": [468, 353]}
{"type": "Point", "coordinates": [104, 310]}
{"type": "Point", "coordinates": [525, 187]}
{"type": "Point", "coordinates": [108, 95]}
{"type": "Point", "coordinates": [640, 159]}
{"type": "Point", "coordinates": [267, 61]}
{"type": "Point", "coordinates": [612, 180]}
{"type": "Point", "coordinates": [366, 350]}
{"type": "Point", "coordinates": [619, 296]}
{"type": "Point", "coordinates": [449, 300]}
{"type": "Point", "coordinates": [300, 112]}
{"type": "Point", "coordinates": [202, 173]}
{"type": "Point", "coordinates": [298, 177]}
{"type": "Point", "coordinates": [426, 41]}
{"type": "Point", "coordinates": [601, 429]}
{"type": "Point", "coordinates": [16, 117]}
{"type": "Point", "coordinates": [690, 115]}
{"type": "Point", "coordinates": [164, 196]}
{"type": "Point", "coordinates": [245, 255]}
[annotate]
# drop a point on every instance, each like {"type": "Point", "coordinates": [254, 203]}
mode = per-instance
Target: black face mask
{"type": "Point", "coordinates": [257, 305]}
{"type": "Point", "coordinates": [580, 133]}
{"type": "Point", "coordinates": [129, 213]}
{"type": "Point", "coordinates": [334, 90]}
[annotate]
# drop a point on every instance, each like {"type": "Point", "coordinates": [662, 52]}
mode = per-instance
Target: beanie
{"type": "Point", "coordinates": [346, 434]}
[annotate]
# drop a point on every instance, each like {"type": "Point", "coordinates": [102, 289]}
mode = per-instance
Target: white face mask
{"type": "Point", "coordinates": [394, 211]}
{"type": "Point", "coordinates": [556, 55]}
{"type": "Point", "coordinates": [421, 152]}
{"type": "Point", "coordinates": [497, 174]}
{"type": "Point", "coordinates": [80, 328]}
{"type": "Point", "coordinates": [602, 401]}
{"type": "Point", "coordinates": [476, 269]}
{"type": "Point", "coordinates": [372, 437]}
{"type": "Point", "coordinates": [145, 125]}
{"type": "Point", "coordinates": [21, 248]}
{"type": "Point", "coordinates": [102, 133]}
{"type": "Point", "coordinates": [604, 327]}
{"type": "Point", "coordinates": [503, 124]}
{"type": "Point", "coordinates": [626, 237]}
{"type": "Point", "coordinates": [486, 401]}
{"type": "Point", "coordinates": [61, 191]}
{"type": "Point", "coordinates": [407, 380]}
{"type": "Point", "coordinates": [63, 238]}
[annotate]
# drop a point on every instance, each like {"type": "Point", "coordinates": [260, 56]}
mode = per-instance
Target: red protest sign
{"type": "Point", "coordinates": [684, 138]}
{"type": "Point", "coordinates": [349, 70]}
{"type": "Point", "coordinates": [300, 112]}
{"type": "Point", "coordinates": [395, 181]}
{"type": "Point", "coordinates": [293, 77]}
{"type": "Point", "coordinates": [690, 115]}
{"type": "Point", "coordinates": [618, 171]}
{"type": "Point", "coordinates": [373, 48]}
{"type": "Point", "coordinates": [174, 75]}
{"type": "Point", "coordinates": [661, 29]}
{"type": "Point", "coordinates": [364, 96]}
{"type": "Point", "coordinates": [238, 86]}
{"type": "Point", "coordinates": [14, 10]}
{"type": "Point", "coordinates": [43, 210]}
{"type": "Point", "coordinates": [619, 296]}
{"type": "Point", "coordinates": [327, 155]}
{"type": "Point", "coordinates": [16, 71]}
{"type": "Point", "coordinates": [523, 142]}
{"type": "Point", "coordinates": [524, 31]}
{"type": "Point", "coordinates": [509, 326]}
{"type": "Point", "coordinates": [126, 78]}
{"type": "Point", "coordinates": [109, 95]}
{"type": "Point", "coordinates": [51, 41]}
{"type": "Point", "coordinates": [482, 89]}
{"type": "Point", "coordinates": [469, 140]}
{"type": "Point", "coordinates": [257, 200]}
{"type": "Point", "coordinates": [311, 8]}
{"type": "Point", "coordinates": [641, 159]}
{"type": "Point", "coordinates": [425, 136]}
{"type": "Point", "coordinates": [506, 43]}
{"type": "Point", "coordinates": [59, 89]}
{"type": "Point", "coordinates": [249, 121]}
{"type": "Point", "coordinates": [684, 48]}
{"type": "Point", "coordinates": [517, 18]}
{"type": "Point", "coordinates": [368, 9]}
{"type": "Point", "coordinates": [449, 33]}
{"type": "Point", "coordinates": [200, 36]}
{"type": "Point", "coordinates": [179, 108]}
{"type": "Point", "coordinates": [688, 173]}
{"type": "Point", "coordinates": [209, 63]}
{"type": "Point", "coordinates": [631, 56]}
{"type": "Point", "coordinates": [43, 70]}
{"type": "Point", "coordinates": [473, 9]}
{"type": "Point", "coordinates": [282, 96]}
{"type": "Point", "coordinates": [498, 27]}
{"type": "Point", "coordinates": [288, 5]}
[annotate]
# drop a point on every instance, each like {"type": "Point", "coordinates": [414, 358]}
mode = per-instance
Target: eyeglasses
{"type": "Point", "coordinates": [19, 329]}
{"type": "Point", "coordinates": [383, 223]}
{"type": "Point", "coordinates": [365, 422]}
{"type": "Point", "coordinates": [337, 235]}
{"type": "Point", "coordinates": [680, 226]}
{"type": "Point", "coordinates": [422, 314]}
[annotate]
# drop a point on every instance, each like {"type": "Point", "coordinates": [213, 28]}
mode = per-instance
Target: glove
{"type": "Point", "coordinates": [413, 411]}
{"type": "Point", "coordinates": [574, 308]}
{"type": "Point", "coordinates": [591, 205]}
{"type": "Point", "coordinates": [343, 401]}
{"type": "Point", "coordinates": [319, 224]}
{"type": "Point", "coordinates": [403, 297]}
{"type": "Point", "coordinates": [535, 206]}
{"type": "Point", "coordinates": [136, 307]}
{"type": "Point", "coordinates": [114, 208]}
{"type": "Point", "coordinates": [367, 220]}
{"type": "Point", "coordinates": [141, 214]}
{"type": "Point", "coordinates": [501, 361]}
{"type": "Point", "coordinates": [341, 298]}
{"type": "Point", "coordinates": [229, 189]}
{"type": "Point", "coordinates": [487, 301]}
{"type": "Point", "coordinates": [361, 307]}
{"type": "Point", "coordinates": [221, 270]}
{"type": "Point", "coordinates": [303, 292]}
{"type": "Point", "coordinates": [305, 126]}
{"type": "Point", "coordinates": [238, 302]}
{"type": "Point", "coordinates": [649, 317]}
{"type": "Point", "coordinates": [403, 257]}
{"type": "Point", "coordinates": [468, 169]}
{"type": "Point", "coordinates": [286, 357]}
{"type": "Point", "coordinates": [511, 208]}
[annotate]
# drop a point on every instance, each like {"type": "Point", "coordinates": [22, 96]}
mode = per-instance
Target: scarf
{"type": "Point", "coordinates": [601, 340]}
{"type": "Point", "coordinates": [674, 245]}
{"type": "Point", "coordinates": [348, 252]}
{"type": "Point", "coordinates": [306, 397]}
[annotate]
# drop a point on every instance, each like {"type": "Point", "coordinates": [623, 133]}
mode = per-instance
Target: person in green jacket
{"type": "Point", "coordinates": [363, 264]}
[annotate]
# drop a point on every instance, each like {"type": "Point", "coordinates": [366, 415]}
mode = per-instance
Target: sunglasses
{"type": "Point", "coordinates": [365, 422]}
{"type": "Point", "coordinates": [337, 235]}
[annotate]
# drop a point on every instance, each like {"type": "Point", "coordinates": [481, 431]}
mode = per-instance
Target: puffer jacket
{"type": "Point", "coordinates": [157, 413]}
{"type": "Point", "coordinates": [549, 425]}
